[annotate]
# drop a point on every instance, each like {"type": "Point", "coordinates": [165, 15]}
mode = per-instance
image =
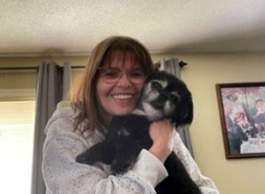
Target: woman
{"type": "Point", "coordinates": [111, 84]}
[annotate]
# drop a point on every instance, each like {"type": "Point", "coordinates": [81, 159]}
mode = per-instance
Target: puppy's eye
{"type": "Point", "coordinates": [156, 85]}
{"type": "Point", "coordinates": [174, 96]}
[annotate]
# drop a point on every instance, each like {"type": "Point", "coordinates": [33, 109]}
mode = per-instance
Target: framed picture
{"type": "Point", "coordinates": [242, 113]}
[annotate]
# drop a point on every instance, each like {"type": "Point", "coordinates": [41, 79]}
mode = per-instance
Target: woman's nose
{"type": "Point", "coordinates": [124, 81]}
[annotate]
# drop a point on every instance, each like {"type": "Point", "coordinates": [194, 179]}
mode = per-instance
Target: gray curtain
{"type": "Point", "coordinates": [53, 84]}
{"type": "Point", "coordinates": [174, 66]}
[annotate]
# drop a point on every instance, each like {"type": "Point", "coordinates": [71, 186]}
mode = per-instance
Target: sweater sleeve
{"type": "Point", "coordinates": [62, 174]}
{"type": "Point", "coordinates": [205, 184]}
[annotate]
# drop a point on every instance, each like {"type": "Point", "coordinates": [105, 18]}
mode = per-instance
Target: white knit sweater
{"type": "Point", "coordinates": [62, 175]}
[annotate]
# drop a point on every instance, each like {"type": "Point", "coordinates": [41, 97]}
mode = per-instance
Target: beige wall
{"type": "Point", "coordinates": [238, 176]}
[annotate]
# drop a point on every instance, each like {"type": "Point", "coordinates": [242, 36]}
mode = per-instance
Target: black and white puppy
{"type": "Point", "coordinates": [163, 97]}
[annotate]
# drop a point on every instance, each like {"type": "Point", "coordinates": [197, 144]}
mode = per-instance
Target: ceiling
{"type": "Point", "coordinates": [74, 27]}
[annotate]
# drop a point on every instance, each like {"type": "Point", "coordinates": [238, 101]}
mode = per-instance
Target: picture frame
{"type": "Point", "coordinates": [242, 116]}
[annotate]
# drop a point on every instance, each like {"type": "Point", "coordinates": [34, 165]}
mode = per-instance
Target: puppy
{"type": "Point", "coordinates": [163, 97]}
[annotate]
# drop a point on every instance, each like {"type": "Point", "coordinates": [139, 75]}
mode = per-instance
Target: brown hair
{"type": "Point", "coordinates": [84, 100]}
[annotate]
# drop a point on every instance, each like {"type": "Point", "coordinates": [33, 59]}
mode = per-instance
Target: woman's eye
{"type": "Point", "coordinates": [110, 74]}
{"type": "Point", "coordinates": [137, 74]}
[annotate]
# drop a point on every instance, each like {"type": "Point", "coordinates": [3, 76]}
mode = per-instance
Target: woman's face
{"type": "Point", "coordinates": [119, 83]}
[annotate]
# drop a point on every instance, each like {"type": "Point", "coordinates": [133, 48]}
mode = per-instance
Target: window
{"type": "Point", "coordinates": [16, 145]}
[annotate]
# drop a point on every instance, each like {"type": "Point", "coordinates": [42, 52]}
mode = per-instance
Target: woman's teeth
{"type": "Point", "coordinates": [122, 96]}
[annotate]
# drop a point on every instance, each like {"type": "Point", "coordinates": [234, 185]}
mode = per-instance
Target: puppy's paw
{"type": "Point", "coordinates": [84, 159]}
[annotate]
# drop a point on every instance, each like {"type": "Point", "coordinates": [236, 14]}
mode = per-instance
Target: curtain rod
{"type": "Point", "coordinates": [32, 68]}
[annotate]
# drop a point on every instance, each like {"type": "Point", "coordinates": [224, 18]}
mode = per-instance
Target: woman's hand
{"type": "Point", "coordinates": [161, 132]}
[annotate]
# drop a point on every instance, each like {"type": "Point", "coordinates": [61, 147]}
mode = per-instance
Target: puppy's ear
{"type": "Point", "coordinates": [188, 117]}
{"type": "Point", "coordinates": [184, 113]}
{"type": "Point", "coordinates": [156, 66]}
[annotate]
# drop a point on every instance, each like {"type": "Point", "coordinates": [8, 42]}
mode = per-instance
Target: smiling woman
{"type": "Point", "coordinates": [111, 84]}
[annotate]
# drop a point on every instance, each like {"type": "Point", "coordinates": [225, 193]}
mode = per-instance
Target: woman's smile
{"type": "Point", "coordinates": [122, 96]}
